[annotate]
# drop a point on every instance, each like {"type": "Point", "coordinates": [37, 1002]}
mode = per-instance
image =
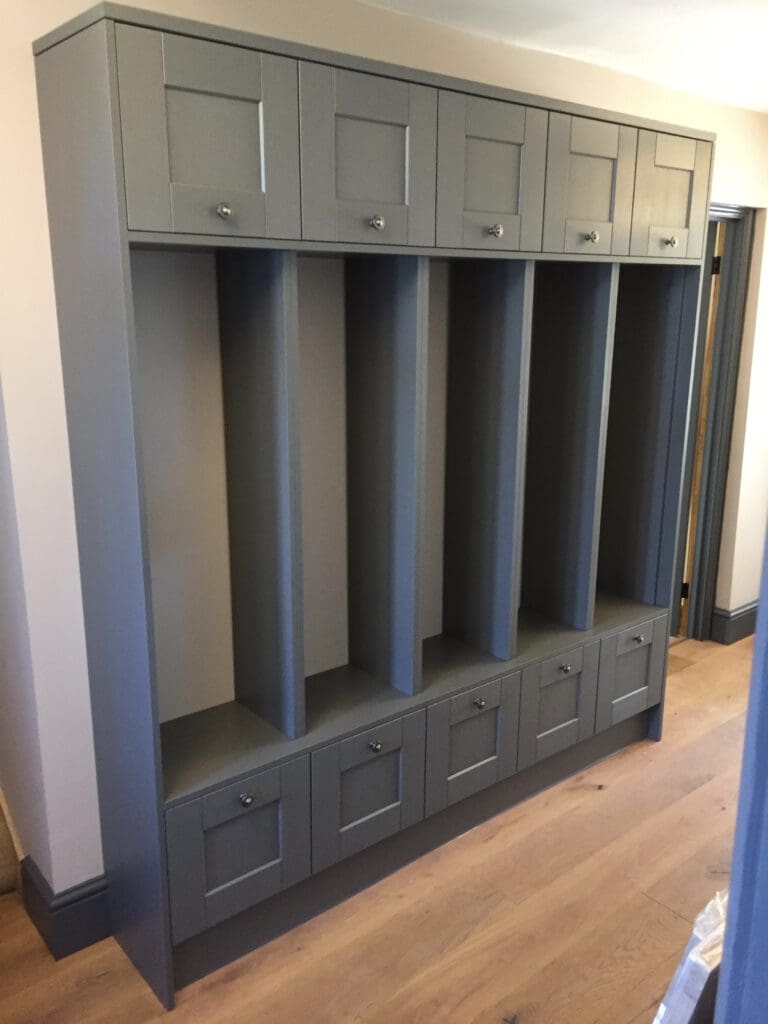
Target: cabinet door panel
{"type": "Point", "coordinates": [490, 173]}
{"type": "Point", "coordinates": [471, 741]}
{"type": "Point", "coordinates": [208, 128]}
{"type": "Point", "coordinates": [671, 186]}
{"type": "Point", "coordinates": [367, 152]}
{"type": "Point", "coordinates": [366, 788]}
{"type": "Point", "coordinates": [631, 672]}
{"type": "Point", "coordinates": [590, 175]}
{"type": "Point", "coordinates": [237, 846]}
{"type": "Point", "coordinates": [557, 703]}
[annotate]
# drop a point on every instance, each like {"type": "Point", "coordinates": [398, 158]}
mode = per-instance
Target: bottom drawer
{"type": "Point", "coordinates": [631, 672]}
{"type": "Point", "coordinates": [237, 846]}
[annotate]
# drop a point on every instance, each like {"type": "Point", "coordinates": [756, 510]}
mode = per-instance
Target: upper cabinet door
{"type": "Point", "coordinates": [367, 157]}
{"type": "Point", "coordinates": [490, 173]}
{"type": "Point", "coordinates": [210, 136]}
{"type": "Point", "coordinates": [590, 174]}
{"type": "Point", "coordinates": [671, 188]}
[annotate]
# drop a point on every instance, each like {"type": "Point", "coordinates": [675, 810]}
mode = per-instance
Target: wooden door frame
{"type": "Point", "coordinates": [717, 445]}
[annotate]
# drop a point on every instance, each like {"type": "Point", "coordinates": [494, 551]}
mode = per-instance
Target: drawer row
{"type": "Point", "coordinates": [225, 140]}
{"type": "Point", "coordinates": [234, 847]}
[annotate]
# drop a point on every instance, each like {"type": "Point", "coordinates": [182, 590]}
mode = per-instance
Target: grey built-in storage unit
{"type": "Point", "coordinates": [377, 388]}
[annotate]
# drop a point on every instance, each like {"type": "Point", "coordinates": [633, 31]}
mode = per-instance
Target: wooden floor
{"type": "Point", "coordinates": [573, 907]}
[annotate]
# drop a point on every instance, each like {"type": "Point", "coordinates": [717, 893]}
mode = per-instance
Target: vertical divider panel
{"type": "Point", "coordinates": [573, 327]}
{"type": "Point", "coordinates": [491, 310]}
{"type": "Point", "coordinates": [258, 313]}
{"type": "Point", "coordinates": [387, 301]}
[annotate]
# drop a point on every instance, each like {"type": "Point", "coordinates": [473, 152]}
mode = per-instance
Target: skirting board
{"type": "Point", "coordinates": [239, 935]}
{"type": "Point", "coordinates": [67, 921]}
{"type": "Point", "coordinates": [728, 627]}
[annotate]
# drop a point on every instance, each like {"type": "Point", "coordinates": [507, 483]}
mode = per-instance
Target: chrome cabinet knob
{"type": "Point", "coordinates": [639, 639]}
{"type": "Point", "coordinates": [497, 230]}
{"type": "Point", "coordinates": [593, 236]}
{"type": "Point", "coordinates": [375, 746]}
{"type": "Point", "coordinates": [565, 668]}
{"type": "Point", "coordinates": [224, 210]}
{"type": "Point", "coordinates": [246, 799]}
{"type": "Point", "coordinates": [479, 702]}
{"type": "Point", "coordinates": [672, 241]}
{"type": "Point", "coordinates": [377, 222]}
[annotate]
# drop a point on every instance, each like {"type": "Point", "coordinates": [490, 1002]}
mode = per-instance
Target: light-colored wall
{"type": "Point", "coordinates": [31, 372]}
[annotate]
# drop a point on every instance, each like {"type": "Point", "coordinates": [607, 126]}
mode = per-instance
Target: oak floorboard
{"type": "Point", "coordinates": [574, 905]}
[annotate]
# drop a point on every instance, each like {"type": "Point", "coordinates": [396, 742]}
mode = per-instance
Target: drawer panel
{"type": "Point", "coordinates": [372, 744]}
{"type": "Point", "coordinates": [241, 797]}
{"type": "Point", "coordinates": [634, 637]}
{"type": "Point", "coordinates": [481, 698]}
{"type": "Point", "coordinates": [562, 666]}
{"type": "Point", "coordinates": [632, 668]}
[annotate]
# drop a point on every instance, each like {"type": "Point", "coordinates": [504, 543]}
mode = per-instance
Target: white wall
{"type": "Point", "coordinates": [31, 372]}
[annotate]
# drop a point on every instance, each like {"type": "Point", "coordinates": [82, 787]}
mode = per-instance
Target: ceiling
{"type": "Point", "coordinates": [713, 49]}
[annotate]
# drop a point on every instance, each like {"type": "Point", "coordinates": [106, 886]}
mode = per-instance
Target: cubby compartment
{"type": "Point", "coordinates": [573, 321]}
{"type": "Point", "coordinates": [655, 320]}
{"type": "Point", "coordinates": [477, 383]}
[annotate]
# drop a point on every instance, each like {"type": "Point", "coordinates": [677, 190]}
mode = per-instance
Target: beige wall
{"type": "Point", "coordinates": [49, 600]}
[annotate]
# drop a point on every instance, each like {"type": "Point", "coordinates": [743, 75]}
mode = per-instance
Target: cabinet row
{"type": "Point", "coordinates": [224, 140]}
{"type": "Point", "coordinates": [250, 839]}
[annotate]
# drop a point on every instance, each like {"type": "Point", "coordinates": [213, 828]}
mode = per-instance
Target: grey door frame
{"type": "Point", "coordinates": [719, 429]}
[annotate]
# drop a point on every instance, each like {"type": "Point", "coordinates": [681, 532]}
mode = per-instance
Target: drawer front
{"type": "Point", "coordinates": [210, 136]}
{"type": "Point", "coordinates": [557, 703]}
{"type": "Point", "coordinates": [490, 173]}
{"type": "Point", "coordinates": [366, 788]}
{"type": "Point", "coordinates": [368, 157]}
{"type": "Point", "coordinates": [471, 741]}
{"type": "Point", "coordinates": [237, 846]}
{"type": "Point", "coordinates": [632, 666]}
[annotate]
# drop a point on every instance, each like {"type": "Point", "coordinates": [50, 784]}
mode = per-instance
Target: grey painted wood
{"type": "Point", "coordinates": [259, 349]}
{"type": "Point", "coordinates": [205, 123]}
{"type": "Point", "coordinates": [490, 171]}
{"type": "Point", "coordinates": [77, 93]}
{"type": "Point", "coordinates": [653, 346]}
{"type": "Point", "coordinates": [238, 846]}
{"type": "Point", "coordinates": [368, 149]}
{"type": "Point", "coordinates": [573, 326]}
{"type": "Point", "coordinates": [590, 183]}
{"type": "Point", "coordinates": [491, 310]}
{"type": "Point", "coordinates": [386, 315]}
{"type": "Point", "coordinates": [366, 788]}
{"type": "Point", "coordinates": [556, 713]}
{"type": "Point", "coordinates": [632, 668]}
{"type": "Point", "coordinates": [671, 189]}
{"type": "Point", "coordinates": [471, 741]}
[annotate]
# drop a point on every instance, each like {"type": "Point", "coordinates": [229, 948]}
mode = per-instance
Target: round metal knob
{"type": "Point", "coordinates": [375, 746]}
{"type": "Point", "coordinates": [377, 222]}
{"type": "Point", "coordinates": [593, 236]}
{"type": "Point", "coordinates": [565, 668]}
{"type": "Point", "coordinates": [224, 210]}
{"type": "Point", "coordinates": [479, 702]}
{"type": "Point", "coordinates": [246, 799]}
{"type": "Point", "coordinates": [672, 241]}
{"type": "Point", "coordinates": [639, 639]}
{"type": "Point", "coordinates": [497, 230]}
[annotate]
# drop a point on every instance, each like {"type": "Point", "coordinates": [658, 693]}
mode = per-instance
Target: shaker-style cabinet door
{"type": "Point", "coordinates": [557, 703]}
{"type": "Point", "coordinates": [671, 188]}
{"type": "Point", "coordinates": [490, 173]}
{"type": "Point", "coordinates": [631, 677]}
{"type": "Point", "coordinates": [367, 787]}
{"type": "Point", "coordinates": [210, 136]}
{"type": "Point", "coordinates": [237, 846]}
{"type": "Point", "coordinates": [590, 178]}
{"type": "Point", "coordinates": [367, 157]}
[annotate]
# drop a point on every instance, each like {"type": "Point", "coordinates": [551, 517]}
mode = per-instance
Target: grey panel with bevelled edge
{"type": "Point", "coordinates": [590, 183]}
{"type": "Point", "coordinates": [259, 354]}
{"type": "Point", "coordinates": [632, 666]}
{"type": "Point", "coordinates": [210, 136]}
{"type": "Point", "coordinates": [368, 157]}
{"type": "Point", "coordinates": [573, 325]}
{"type": "Point", "coordinates": [77, 97]}
{"type": "Point", "coordinates": [490, 173]}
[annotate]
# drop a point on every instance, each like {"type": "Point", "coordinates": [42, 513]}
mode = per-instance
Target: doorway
{"type": "Point", "coordinates": [721, 322]}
